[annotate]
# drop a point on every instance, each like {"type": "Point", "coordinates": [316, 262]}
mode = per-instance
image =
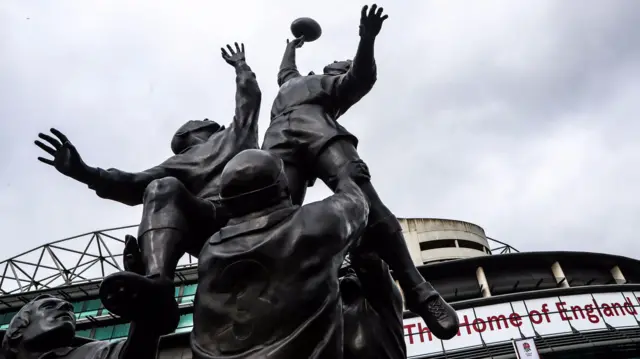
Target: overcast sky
{"type": "Point", "coordinates": [519, 116]}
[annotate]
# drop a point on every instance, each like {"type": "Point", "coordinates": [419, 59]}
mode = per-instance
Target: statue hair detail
{"type": "Point", "coordinates": [13, 335]}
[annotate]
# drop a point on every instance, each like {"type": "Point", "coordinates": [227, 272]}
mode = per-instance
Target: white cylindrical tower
{"type": "Point", "coordinates": [434, 240]}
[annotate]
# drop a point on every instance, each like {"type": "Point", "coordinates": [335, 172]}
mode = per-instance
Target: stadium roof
{"type": "Point", "coordinates": [86, 258]}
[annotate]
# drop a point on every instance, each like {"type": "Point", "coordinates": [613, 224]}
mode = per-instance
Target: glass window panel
{"type": "Point", "coordinates": [84, 333]}
{"type": "Point", "coordinates": [545, 318]}
{"type": "Point", "coordinates": [6, 317]}
{"type": "Point", "coordinates": [183, 330]}
{"type": "Point", "coordinates": [92, 313]}
{"type": "Point", "coordinates": [188, 299]}
{"type": "Point", "coordinates": [176, 292]}
{"type": "Point", "coordinates": [104, 333]}
{"type": "Point", "coordinates": [190, 289]}
{"type": "Point", "coordinates": [77, 306]}
{"type": "Point", "coordinates": [186, 320]}
{"type": "Point", "coordinates": [617, 310]}
{"type": "Point", "coordinates": [93, 304]}
{"type": "Point", "coordinates": [4, 326]}
{"type": "Point", "coordinates": [121, 330]}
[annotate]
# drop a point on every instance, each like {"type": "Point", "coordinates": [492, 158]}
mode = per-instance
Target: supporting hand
{"type": "Point", "coordinates": [295, 43]}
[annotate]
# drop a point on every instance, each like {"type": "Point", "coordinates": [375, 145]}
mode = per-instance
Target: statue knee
{"type": "Point", "coordinates": [163, 189]}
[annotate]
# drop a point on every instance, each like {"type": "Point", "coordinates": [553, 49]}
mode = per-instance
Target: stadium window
{"type": "Point", "coordinates": [185, 324]}
{"type": "Point", "coordinates": [188, 293]}
{"type": "Point", "coordinates": [5, 319]}
{"type": "Point", "coordinates": [436, 244]}
{"type": "Point", "coordinates": [77, 308]}
{"type": "Point", "coordinates": [121, 331]}
{"type": "Point", "coordinates": [90, 309]}
{"type": "Point", "coordinates": [463, 243]}
{"type": "Point", "coordinates": [104, 333]}
{"type": "Point", "coordinates": [84, 333]}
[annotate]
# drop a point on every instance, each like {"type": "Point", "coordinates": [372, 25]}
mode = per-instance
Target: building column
{"type": "Point", "coordinates": [558, 273]}
{"type": "Point", "coordinates": [618, 276]}
{"type": "Point", "coordinates": [484, 284]}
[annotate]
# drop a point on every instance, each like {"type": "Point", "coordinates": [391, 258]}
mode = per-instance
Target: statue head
{"type": "Point", "coordinates": [46, 323]}
{"type": "Point", "coordinates": [338, 67]}
{"type": "Point", "coordinates": [252, 181]}
{"type": "Point", "coordinates": [193, 133]}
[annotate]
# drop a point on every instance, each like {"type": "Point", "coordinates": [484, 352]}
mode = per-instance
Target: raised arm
{"type": "Point", "coordinates": [288, 68]}
{"type": "Point", "coordinates": [120, 186]}
{"type": "Point", "coordinates": [248, 94]}
{"type": "Point", "coordinates": [362, 74]}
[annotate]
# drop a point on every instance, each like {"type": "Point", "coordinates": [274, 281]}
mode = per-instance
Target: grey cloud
{"type": "Point", "coordinates": [518, 116]}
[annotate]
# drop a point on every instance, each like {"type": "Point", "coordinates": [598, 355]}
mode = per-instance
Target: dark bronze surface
{"type": "Point", "coordinates": [45, 328]}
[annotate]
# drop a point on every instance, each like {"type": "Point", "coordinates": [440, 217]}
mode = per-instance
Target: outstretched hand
{"type": "Point", "coordinates": [66, 158]}
{"type": "Point", "coordinates": [371, 23]}
{"type": "Point", "coordinates": [296, 43]}
{"type": "Point", "coordinates": [233, 56]}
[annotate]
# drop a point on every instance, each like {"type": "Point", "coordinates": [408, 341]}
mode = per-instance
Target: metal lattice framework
{"type": "Point", "coordinates": [84, 258]}
{"type": "Point", "coordinates": [502, 247]}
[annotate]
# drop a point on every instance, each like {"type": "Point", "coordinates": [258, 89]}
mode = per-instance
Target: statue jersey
{"type": "Point", "coordinates": [199, 167]}
{"type": "Point", "coordinates": [305, 112]}
{"type": "Point", "coordinates": [268, 287]}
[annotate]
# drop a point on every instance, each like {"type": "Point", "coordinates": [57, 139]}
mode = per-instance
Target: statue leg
{"type": "Point", "coordinates": [173, 222]}
{"type": "Point", "coordinates": [297, 183]}
{"type": "Point", "coordinates": [385, 235]}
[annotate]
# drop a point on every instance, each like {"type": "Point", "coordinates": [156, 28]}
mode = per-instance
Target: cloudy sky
{"type": "Point", "coordinates": [520, 116]}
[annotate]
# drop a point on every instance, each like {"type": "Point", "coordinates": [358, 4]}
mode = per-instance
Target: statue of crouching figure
{"type": "Point", "coordinates": [45, 328]}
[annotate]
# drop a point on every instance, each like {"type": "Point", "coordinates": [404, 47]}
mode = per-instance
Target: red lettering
{"type": "Point", "coordinates": [628, 306]}
{"type": "Point", "coordinates": [408, 328]}
{"type": "Point", "coordinates": [545, 311]}
{"type": "Point", "coordinates": [515, 319]}
{"type": "Point", "coordinates": [562, 311]}
{"type": "Point", "coordinates": [606, 310]}
{"type": "Point", "coordinates": [535, 313]}
{"type": "Point", "coordinates": [421, 332]}
{"type": "Point", "coordinates": [465, 324]}
{"type": "Point", "coordinates": [476, 325]}
{"type": "Point", "coordinates": [576, 308]}
{"type": "Point", "coordinates": [617, 306]}
{"type": "Point", "coordinates": [592, 313]}
{"type": "Point", "coordinates": [496, 319]}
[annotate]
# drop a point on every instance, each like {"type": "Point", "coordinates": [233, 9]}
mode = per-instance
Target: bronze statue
{"type": "Point", "coordinates": [372, 309]}
{"type": "Point", "coordinates": [45, 328]}
{"type": "Point", "coordinates": [178, 198]}
{"type": "Point", "coordinates": [304, 132]}
{"type": "Point", "coordinates": [268, 281]}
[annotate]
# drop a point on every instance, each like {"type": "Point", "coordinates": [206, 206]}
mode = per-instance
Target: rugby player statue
{"type": "Point", "coordinates": [178, 196]}
{"type": "Point", "coordinates": [304, 132]}
{"type": "Point", "coordinates": [45, 328]}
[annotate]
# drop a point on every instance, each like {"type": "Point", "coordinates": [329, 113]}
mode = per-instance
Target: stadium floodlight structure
{"type": "Point", "coordinates": [87, 258]}
{"type": "Point", "coordinates": [84, 258]}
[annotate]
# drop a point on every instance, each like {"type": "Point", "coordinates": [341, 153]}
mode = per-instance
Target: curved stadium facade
{"type": "Point", "coordinates": [570, 304]}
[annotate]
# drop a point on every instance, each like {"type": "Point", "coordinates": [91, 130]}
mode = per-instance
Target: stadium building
{"type": "Point", "coordinates": [550, 304]}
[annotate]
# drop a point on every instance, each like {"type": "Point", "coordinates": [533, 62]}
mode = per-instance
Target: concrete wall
{"type": "Point", "coordinates": [448, 235]}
